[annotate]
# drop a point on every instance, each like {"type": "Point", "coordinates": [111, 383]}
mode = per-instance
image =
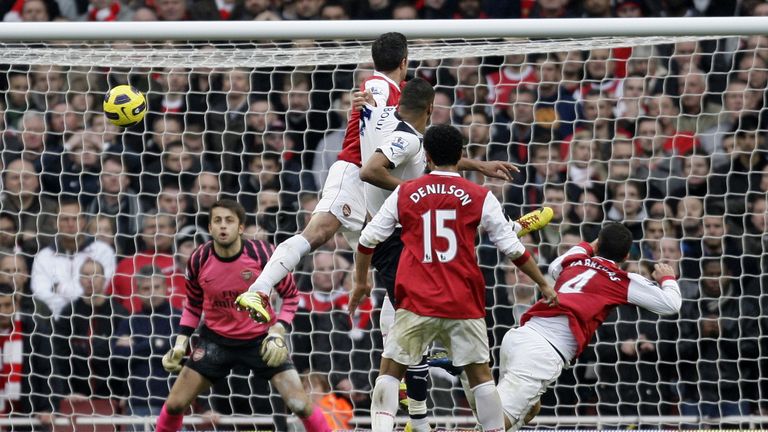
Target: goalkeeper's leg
{"type": "Point", "coordinates": [285, 258]}
{"type": "Point", "coordinates": [186, 388]}
{"type": "Point", "coordinates": [289, 386]}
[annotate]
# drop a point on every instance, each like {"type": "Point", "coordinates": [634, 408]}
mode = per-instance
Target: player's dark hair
{"type": "Point", "coordinates": [444, 145]}
{"type": "Point", "coordinates": [614, 242]}
{"type": "Point", "coordinates": [388, 51]}
{"type": "Point", "coordinates": [417, 96]}
{"type": "Point", "coordinates": [231, 205]}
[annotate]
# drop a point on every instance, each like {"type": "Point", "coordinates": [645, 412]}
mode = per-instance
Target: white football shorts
{"type": "Point", "coordinates": [465, 339]}
{"type": "Point", "coordinates": [529, 364]}
{"type": "Point", "coordinates": [343, 196]}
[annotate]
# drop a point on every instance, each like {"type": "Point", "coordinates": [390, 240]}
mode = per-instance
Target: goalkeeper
{"type": "Point", "coordinates": [218, 272]}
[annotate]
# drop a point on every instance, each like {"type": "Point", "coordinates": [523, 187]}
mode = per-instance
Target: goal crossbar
{"type": "Point", "coordinates": [281, 30]}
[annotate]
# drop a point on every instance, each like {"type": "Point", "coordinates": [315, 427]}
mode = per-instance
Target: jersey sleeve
{"type": "Point", "coordinates": [664, 300]}
{"type": "Point", "coordinates": [399, 147]}
{"type": "Point", "coordinates": [382, 225]}
{"type": "Point", "coordinates": [499, 229]}
{"type": "Point", "coordinates": [193, 307]}
{"type": "Point", "coordinates": [556, 266]}
{"type": "Point", "coordinates": [379, 88]}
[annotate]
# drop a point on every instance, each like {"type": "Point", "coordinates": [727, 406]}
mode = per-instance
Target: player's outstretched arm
{"type": "Point", "coordinates": [663, 301]}
{"type": "Point", "coordinates": [494, 169]}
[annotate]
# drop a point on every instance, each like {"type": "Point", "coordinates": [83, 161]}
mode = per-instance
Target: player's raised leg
{"type": "Point", "coordinates": [296, 399]}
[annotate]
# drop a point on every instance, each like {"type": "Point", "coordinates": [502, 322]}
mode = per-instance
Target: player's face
{"type": "Point", "coordinates": [225, 227]}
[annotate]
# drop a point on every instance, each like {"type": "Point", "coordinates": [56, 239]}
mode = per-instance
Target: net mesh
{"type": "Point", "coordinates": [665, 135]}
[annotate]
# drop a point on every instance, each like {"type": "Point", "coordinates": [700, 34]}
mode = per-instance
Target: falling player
{"type": "Point", "coordinates": [218, 271]}
{"type": "Point", "coordinates": [589, 284]}
{"type": "Point", "coordinates": [442, 295]}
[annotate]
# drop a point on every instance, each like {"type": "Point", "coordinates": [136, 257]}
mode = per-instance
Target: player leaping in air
{"type": "Point", "coordinates": [442, 294]}
{"type": "Point", "coordinates": [342, 202]}
{"type": "Point", "coordinates": [589, 284]}
{"type": "Point", "coordinates": [218, 271]}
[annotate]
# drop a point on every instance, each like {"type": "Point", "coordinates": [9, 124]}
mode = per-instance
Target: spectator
{"type": "Point", "coordinates": [627, 206]}
{"type": "Point", "coordinates": [157, 242]}
{"type": "Point", "coordinates": [32, 137]}
{"type": "Point", "coordinates": [336, 407]}
{"type": "Point", "coordinates": [697, 114]}
{"type": "Point", "coordinates": [35, 213]}
{"type": "Point", "coordinates": [26, 348]}
{"type": "Point", "coordinates": [469, 9]}
{"type": "Point", "coordinates": [107, 11]}
{"type": "Point", "coordinates": [17, 98]}
{"type": "Point", "coordinates": [550, 9]}
{"type": "Point", "coordinates": [171, 10]}
{"type": "Point", "coordinates": [728, 120]}
{"type": "Point", "coordinates": [143, 339]}
{"type": "Point", "coordinates": [227, 122]}
{"type": "Point", "coordinates": [55, 279]}
{"type": "Point", "coordinates": [9, 229]}
{"type": "Point", "coordinates": [171, 201]}
{"type": "Point", "coordinates": [405, 10]}
{"type": "Point", "coordinates": [329, 147]}
{"type": "Point", "coordinates": [717, 347]}
{"type": "Point", "coordinates": [82, 334]}
{"type": "Point", "coordinates": [118, 202]}
{"type": "Point", "coordinates": [14, 271]}
{"type": "Point", "coordinates": [75, 171]}
{"type": "Point", "coordinates": [206, 190]}
{"type": "Point", "coordinates": [334, 10]}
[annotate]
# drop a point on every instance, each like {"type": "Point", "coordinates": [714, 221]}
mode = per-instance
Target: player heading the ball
{"type": "Point", "coordinates": [442, 295]}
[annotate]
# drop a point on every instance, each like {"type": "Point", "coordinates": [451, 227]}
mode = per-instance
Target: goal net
{"type": "Point", "coordinates": [664, 134]}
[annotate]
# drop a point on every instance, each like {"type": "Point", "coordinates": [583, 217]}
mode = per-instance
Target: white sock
{"type": "Point", "coordinates": [468, 392]}
{"type": "Point", "coordinates": [283, 261]}
{"type": "Point", "coordinates": [384, 403]}
{"type": "Point", "coordinates": [420, 425]}
{"type": "Point", "coordinates": [489, 412]}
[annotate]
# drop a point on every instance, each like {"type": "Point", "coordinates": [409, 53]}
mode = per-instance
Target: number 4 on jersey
{"type": "Point", "coordinates": [576, 284]}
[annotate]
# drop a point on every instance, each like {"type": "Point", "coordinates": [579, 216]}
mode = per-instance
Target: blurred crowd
{"type": "Point", "coordinates": [97, 222]}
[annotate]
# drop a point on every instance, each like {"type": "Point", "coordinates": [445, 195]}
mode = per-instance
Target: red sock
{"type": "Point", "coordinates": [315, 422]}
{"type": "Point", "coordinates": [168, 422]}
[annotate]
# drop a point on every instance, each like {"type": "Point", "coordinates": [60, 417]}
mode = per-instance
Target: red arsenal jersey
{"type": "Point", "coordinates": [439, 275]}
{"type": "Point", "coordinates": [588, 288]}
{"type": "Point", "coordinates": [386, 93]}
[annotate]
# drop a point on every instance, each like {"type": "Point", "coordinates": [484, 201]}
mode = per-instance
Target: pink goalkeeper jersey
{"type": "Point", "coordinates": [213, 283]}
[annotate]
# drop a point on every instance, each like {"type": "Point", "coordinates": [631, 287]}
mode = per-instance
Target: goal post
{"type": "Point", "coordinates": [644, 121]}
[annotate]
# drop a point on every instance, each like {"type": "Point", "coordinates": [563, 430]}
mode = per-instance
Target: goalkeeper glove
{"type": "Point", "coordinates": [172, 359]}
{"type": "Point", "coordinates": [274, 351]}
{"type": "Point", "coordinates": [257, 305]}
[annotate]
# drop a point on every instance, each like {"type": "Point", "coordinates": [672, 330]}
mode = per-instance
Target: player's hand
{"type": "Point", "coordinates": [550, 295]}
{"type": "Point", "coordinates": [360, 99]}
{"type": "Point", "coordinates": [661, 271]}
{"type": "Point", "coordinates": [498, 169]}
{"type": "Point", "coordinates": [358, 294]}
{"type": "Point", "coordinates": [274, 350]}
{"type": "Point", "coordinates": [172, 359]}
{"type": "Point", "coordinates": [257, 305]}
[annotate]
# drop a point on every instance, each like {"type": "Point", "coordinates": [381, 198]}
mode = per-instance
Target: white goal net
{"type": "Point", "coordinates": [665, 134]}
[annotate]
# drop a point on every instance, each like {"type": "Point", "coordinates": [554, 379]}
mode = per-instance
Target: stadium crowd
{"type": "Point", "coordinates": [97, 223]}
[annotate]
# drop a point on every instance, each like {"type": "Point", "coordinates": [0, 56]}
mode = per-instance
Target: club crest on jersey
{"type": "Point", "coordinates": [198, 353]}
{"type": "Point", "coordinates": [246, 274]}
{"type": "Point", "coordinates": [345, 210]}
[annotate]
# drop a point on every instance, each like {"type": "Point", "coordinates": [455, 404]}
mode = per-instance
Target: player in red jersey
{"type": "Point", "coordinates": [589, 284]}
{"type": "Point", "coordinates": [342, 202]}
{"type": "Point", "coordinates": [442, 294]}
{"type": "Point", "coordinates": [219, 271]}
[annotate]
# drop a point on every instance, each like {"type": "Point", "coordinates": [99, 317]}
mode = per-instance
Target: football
{"type": "Point", "coordinates": [124, 106]}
